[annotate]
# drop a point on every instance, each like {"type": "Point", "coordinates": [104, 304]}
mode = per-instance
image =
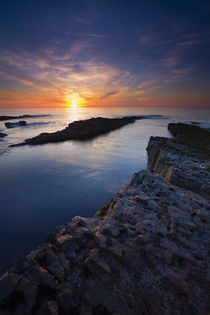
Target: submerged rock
{"type": "Point", "coordinates": [146, 252]}
{"type": "Point", "coordinates": [16, 124]}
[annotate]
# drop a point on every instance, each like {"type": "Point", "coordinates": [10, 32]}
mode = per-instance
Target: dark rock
{"type": "Point", "coordinates": [2, 135]}
{"type": "Point", "coordinates": [182, 161]}
{"type": "Point", "coordinates": [197, 138]}
{"type": "Point", "coordinates": [2, 118]}
{"type": "Point", "coordinates": [195, 123]}
{"type": "Point", "coordinates": [17, 124]}
{"type": "Point", "coordinates": [84, 129]}
{"type": "Point", "coordinates": [81, 130]}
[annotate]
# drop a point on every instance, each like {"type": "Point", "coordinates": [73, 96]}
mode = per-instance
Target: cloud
{"type": "Point", "coordinates": [75, 70]}
{"type": "Point", "coordinates": [170, 62]}
{"type": "Point", "coordinates": [82, 20]}
{"type": "Point", "coordinates": [108, 94]}
{"type": "Point", "coordinates": [63, 74]}
{"type": "Point", "coordinates": [95, 35]}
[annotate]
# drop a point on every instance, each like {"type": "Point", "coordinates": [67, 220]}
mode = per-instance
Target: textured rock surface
{"type": "Point", "coordinates": [198, 139]}
{"type": "Point", "coordinates": [146, 252]}
{"type": "Point", "coordinates": [183, 161]}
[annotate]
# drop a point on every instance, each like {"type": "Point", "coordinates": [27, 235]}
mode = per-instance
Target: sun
{"type": "Point", "coordinates": [74, 103]}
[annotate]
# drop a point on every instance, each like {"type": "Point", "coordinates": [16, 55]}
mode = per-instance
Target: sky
{"type": "Point", "coordinates": [104, 53]}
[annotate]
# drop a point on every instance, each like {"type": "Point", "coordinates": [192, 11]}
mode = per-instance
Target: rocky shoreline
{"type": "Point", "coordinates": [146, 252]}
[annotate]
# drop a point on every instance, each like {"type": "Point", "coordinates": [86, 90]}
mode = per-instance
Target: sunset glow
{"type": "Point", "coordinates": [74, 103]}
{"type": "Point", "coordinates": [83, 62]}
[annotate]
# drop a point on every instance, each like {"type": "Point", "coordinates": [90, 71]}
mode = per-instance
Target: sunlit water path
{"type": "Point", "coordinates": [43, 186]}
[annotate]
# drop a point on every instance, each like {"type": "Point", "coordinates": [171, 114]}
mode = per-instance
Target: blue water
{"type": "Point", "coordinates": [43, 186]}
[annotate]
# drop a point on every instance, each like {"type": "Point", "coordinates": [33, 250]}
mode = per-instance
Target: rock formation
{"type": "Point", "coordinates": [84, 129]}
{"type": "Point", "coordinates": [184, 160]}
{"type": "Point", "coordinates": [2, 134]}
{"type": "Point", "coordinates": [80, 130]}
{"type": "Point", "coordinates": [16, 124]}
{"type": "Point", "coordinates": [2, 118]}
{"type": "Point", "coordinates": [146, 252]}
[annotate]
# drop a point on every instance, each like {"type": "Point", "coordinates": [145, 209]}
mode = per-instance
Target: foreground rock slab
{"type": "Point", "coordinates": [144, 253]}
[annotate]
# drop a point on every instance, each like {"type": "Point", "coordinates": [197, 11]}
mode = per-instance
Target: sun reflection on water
{"type": "Point", "coordinates": [74, 113]}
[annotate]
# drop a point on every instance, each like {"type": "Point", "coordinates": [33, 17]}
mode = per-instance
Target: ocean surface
{"type": "Point", "coordinates": [44, 186]}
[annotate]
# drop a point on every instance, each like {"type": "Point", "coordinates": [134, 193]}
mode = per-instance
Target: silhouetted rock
{"type": "Point", "coordinates": [2, 135]}
{"type": "Point", "coordinates": [2, 118]}
{"type": "Point", "coordinates": [81, 130]}
{"type": "Point", "coordinates": [146, 252]}
{"type": "Point", "coordinates": [16, 124]}
{"type": "Point", "coordinates": [84, 129]}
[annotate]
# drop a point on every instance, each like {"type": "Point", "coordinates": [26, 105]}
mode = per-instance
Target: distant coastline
{"type": "Point", "coordinates": [3, 118]}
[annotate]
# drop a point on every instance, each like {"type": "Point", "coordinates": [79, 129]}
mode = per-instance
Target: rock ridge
{"type": "Point", "coordinates": [182, 160]}
{"type": "Point", "coordinates": [145, 252]}
{"type": "Point", "coordinates": [84, 129]}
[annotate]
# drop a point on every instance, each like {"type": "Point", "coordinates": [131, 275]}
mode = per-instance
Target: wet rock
{"type": "Point", "coordinates": [21, 123]}
{"type": "Point", "coordinates": [2, 134]}
{"type": "Point", "coordinates": [84, 129]}
{"type": "Point", "coordinates": [81, 130]}
{"type": "Point", "coordinates": [195, 123]}
{"type": "Point", "coordinates": [8, 283]}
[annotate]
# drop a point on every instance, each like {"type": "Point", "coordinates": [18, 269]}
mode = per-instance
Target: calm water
{"type": "Point", "coordinates": [43, 186]}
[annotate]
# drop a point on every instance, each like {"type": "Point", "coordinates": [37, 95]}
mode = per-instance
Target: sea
{"type": "Point", "coordinates": [46, 185]}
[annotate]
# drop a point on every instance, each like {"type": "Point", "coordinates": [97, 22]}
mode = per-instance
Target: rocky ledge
{"type": "Point", "coordinates": [183, 160]}
{"type": "Point", "coordinates": [146, 252]}
{"type": "Point", "coordinates": [84, 129]}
